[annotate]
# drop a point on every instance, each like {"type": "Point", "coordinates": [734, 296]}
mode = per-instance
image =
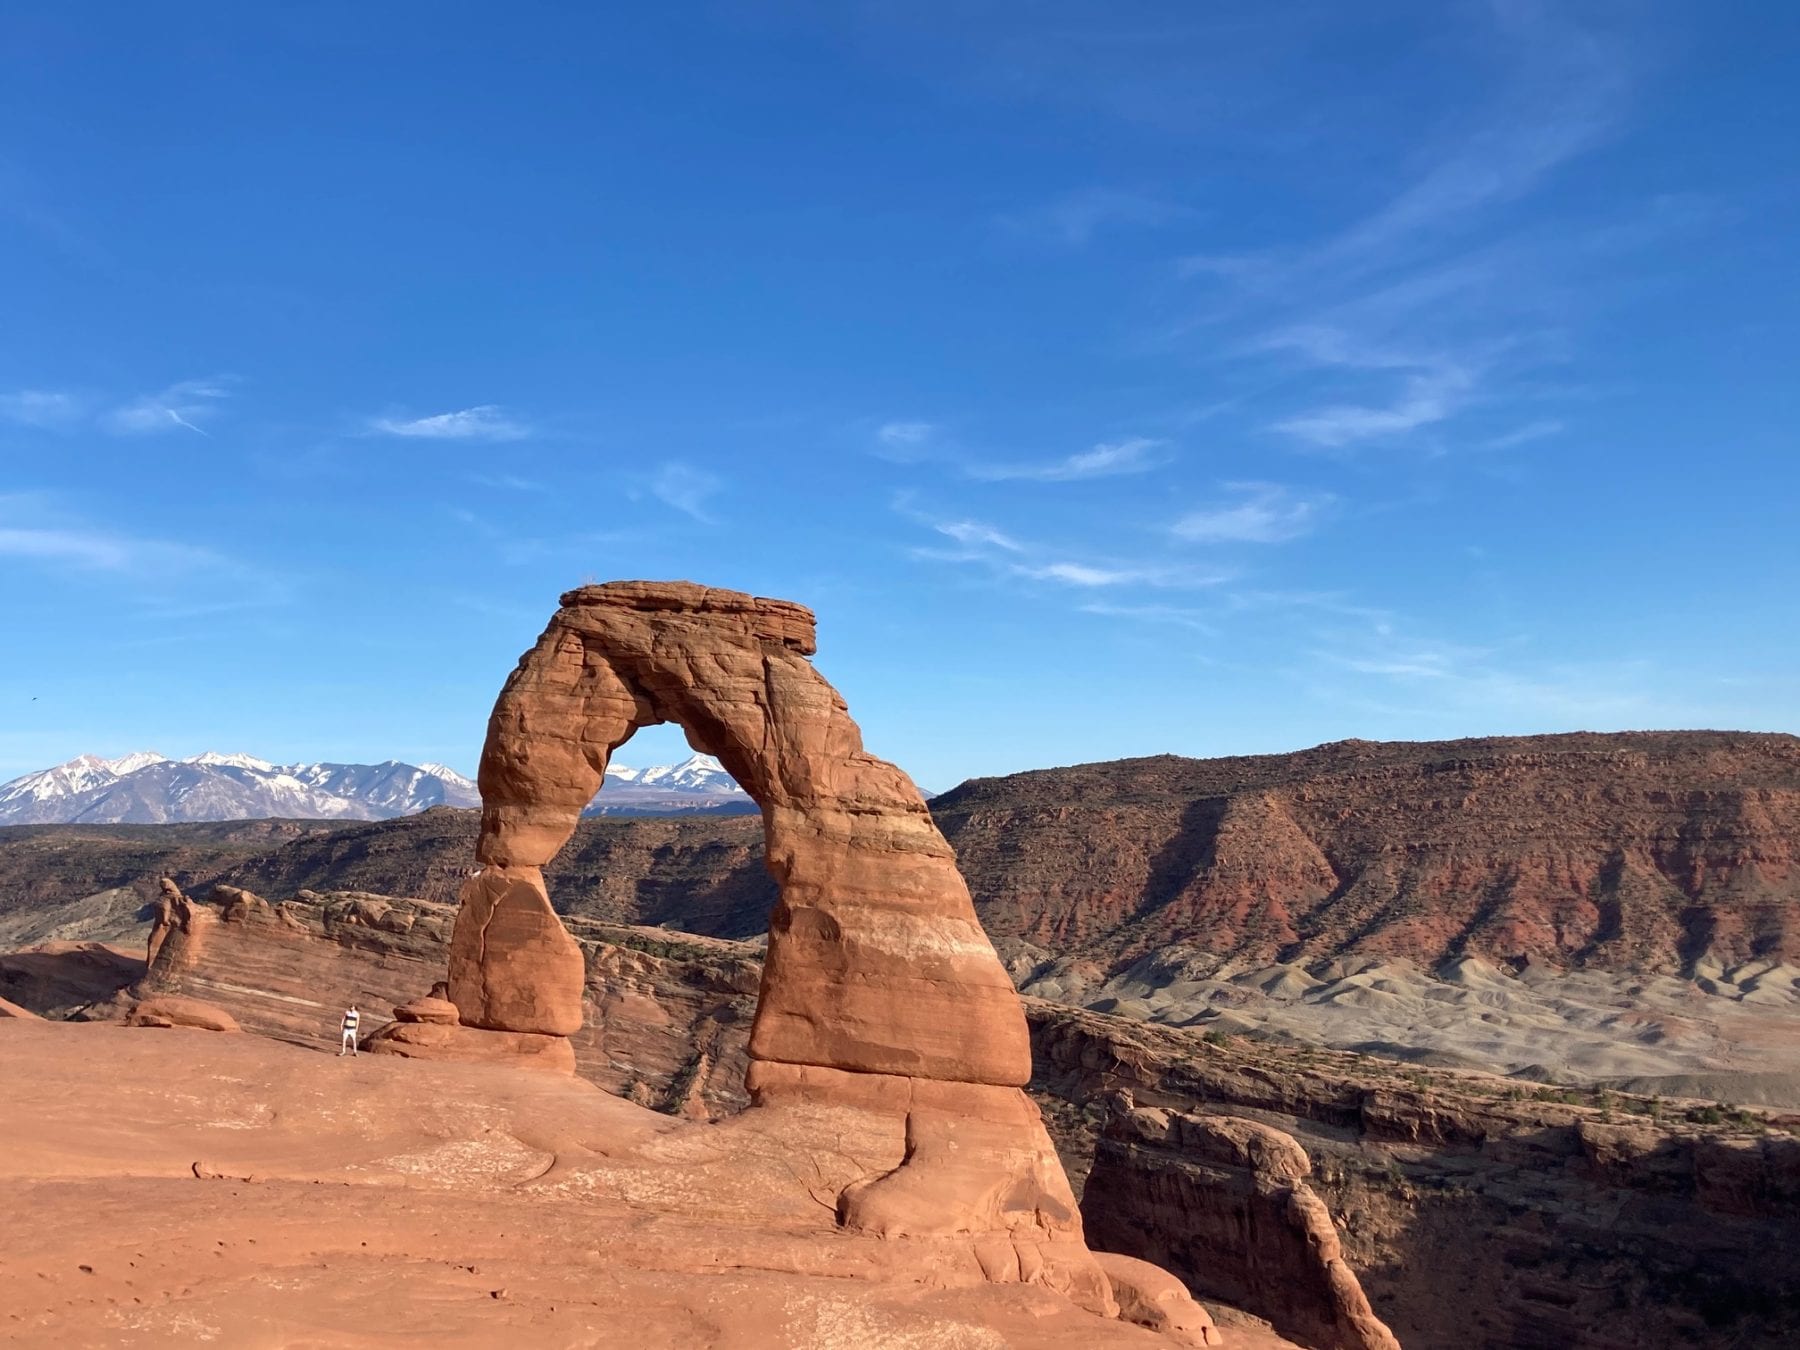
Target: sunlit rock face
{"type": "Point", "coordinates": [884, 1016]}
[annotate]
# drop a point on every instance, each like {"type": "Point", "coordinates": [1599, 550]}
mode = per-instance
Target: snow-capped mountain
{"type": "Point", "coordinates": [146, 788]}
{"type": "Point", "coordinates": [698, 783]}
{"type": "Point", "coordinates": [149, 788]}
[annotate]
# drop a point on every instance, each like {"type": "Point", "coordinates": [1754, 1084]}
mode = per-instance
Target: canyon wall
{"type": "Point", "coordinates": [1478, 1212]}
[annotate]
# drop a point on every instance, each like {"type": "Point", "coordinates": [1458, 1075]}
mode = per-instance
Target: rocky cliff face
{"type": "Point", "coordinates": [667, 1018]}
{"type": "Point", "coordinates": [1256, 1228]}
{"type": "Point", "coordinates": [1637, 851]}
{"type": "Point", "coordinates": [1477, 1212]}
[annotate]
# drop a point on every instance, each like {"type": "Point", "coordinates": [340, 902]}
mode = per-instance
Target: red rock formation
{"type": "Point", "coordinates": [883, 1008]}
{"type": "Point", "coordinates": [1639, 851]}
{"type": "Point", "coordinates": [1151, 1297]}
{"type": "Point", "coordinates": [1661, 851]}
{"type": "Point", "coordinates": [66, 979]}
{"type": "Point", "coordinates": [877, 963]}
{"type": "Point", "coordinates": [1477, 1213]}
{"type": "Point", "coordinates": [172, 1010]}
{"type": "Point", "coordinates": [1258, 1233]}
{"type": "Point", "coordinates": [667, 1014]}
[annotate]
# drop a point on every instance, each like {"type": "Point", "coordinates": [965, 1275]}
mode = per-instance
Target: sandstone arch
{"type": "Point", "coordinates": [876, 964]}
{"type": "Point", "coordinates": [889, 1049]}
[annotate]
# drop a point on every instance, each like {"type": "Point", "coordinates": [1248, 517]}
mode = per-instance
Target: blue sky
{"type": "Point", "coordinates": [1111, 378]}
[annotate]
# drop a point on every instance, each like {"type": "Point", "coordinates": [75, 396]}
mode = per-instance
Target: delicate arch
{"type": "Point", "coordinates": [876, 961]}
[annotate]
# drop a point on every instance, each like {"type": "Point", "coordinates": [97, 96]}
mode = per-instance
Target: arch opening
{"type": "Point", "coordinates": [876, 961]}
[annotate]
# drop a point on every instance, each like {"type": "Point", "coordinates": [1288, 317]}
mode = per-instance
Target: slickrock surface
{"type": "Point", "coordinates": [883, 1011]}
{"type": "Point", "coordinates": [175, 1188]}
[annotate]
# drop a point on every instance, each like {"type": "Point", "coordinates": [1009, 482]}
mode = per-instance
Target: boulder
{"type": "Point", "coordinates": [437, 1011]}
{"type": "Point", "coordinates": [473, 1045]}
{"type": "Point", "coordinates": [172, 1010]}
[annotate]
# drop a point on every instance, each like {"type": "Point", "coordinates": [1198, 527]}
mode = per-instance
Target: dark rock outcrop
{"type": "Point", "coordinates": [1254, 1233]}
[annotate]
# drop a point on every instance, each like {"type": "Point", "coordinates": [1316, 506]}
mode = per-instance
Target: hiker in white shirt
{"type": "Point", "coordinates": [351, 1017]}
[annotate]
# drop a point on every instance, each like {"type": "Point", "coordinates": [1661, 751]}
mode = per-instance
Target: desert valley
{"type": "Point", "coordinates": [1323, 1036]}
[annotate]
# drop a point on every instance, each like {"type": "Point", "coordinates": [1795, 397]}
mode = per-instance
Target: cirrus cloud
{"type": "Point", "coordinates": [484, 422]}
{"type": "Point", "coordinates": [1265, 513]}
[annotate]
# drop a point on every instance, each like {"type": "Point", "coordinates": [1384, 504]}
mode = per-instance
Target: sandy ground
{"type": "Point", "coordinates": [170, 1187]}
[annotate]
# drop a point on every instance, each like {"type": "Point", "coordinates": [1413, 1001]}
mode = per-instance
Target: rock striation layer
{"type": "Point", "coordinates": [1631, 852]}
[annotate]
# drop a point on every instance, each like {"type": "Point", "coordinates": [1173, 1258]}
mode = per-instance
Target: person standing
{"type": "Point", "coordinates": [351, 1018]}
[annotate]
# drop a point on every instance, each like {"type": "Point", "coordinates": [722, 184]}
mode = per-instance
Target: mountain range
{"type": "Point", "coordinates": [1646, 853]}
{"type": "Point", "coordinates": [698, 784]}
{"type": "Point", "coordinates": [147, 788]}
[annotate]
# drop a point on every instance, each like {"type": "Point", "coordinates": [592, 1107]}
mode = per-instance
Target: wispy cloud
{"type": "Point", "coordinates": [974, 534]}
{"type": "Point", "coordinates": [1075, 218]}
{"type": "Point", "coordinates": [1427, 677]}
{"type": "Point", "coordinates": [47, 409]}
{"type": "Point", "coordinates": [172, 577]}
{"type": "Point", "coordinates": [1178, 616]}
{"type": "Point", "coordinates": [95, 550]}
{"type": "Point", "coordinates": [516, 547]}
{"type": "Point", "coordinates": [908, 441]}
{"type": "Point", "coordinates": [1567, 91]}
{"type": "Point", "coordinates": [1135, 455]}
{"type": "Point", "coordinates": [1423, 400]}
{"type": "Point", "coordinates": [1402, 325]}
{"type": "Point", "coordinates": [905, 435]}
{"type": "Point", "coordinates": [1092, 575]}
{"type": "Point", "coordinates": [1265, 513]}
{"type": "Point", "coordinates": [686, 489]}
{"type": "Point", "coordinates": [484, 422]}
{"type": "Point", "coordinates": [183, 406]}
{"type": "Point", "coordinates": [506, 482]}
{"type": "Point", "coordinates": [1006, 555]}
{"type": "Point", "coordinates": [1531, 431]}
